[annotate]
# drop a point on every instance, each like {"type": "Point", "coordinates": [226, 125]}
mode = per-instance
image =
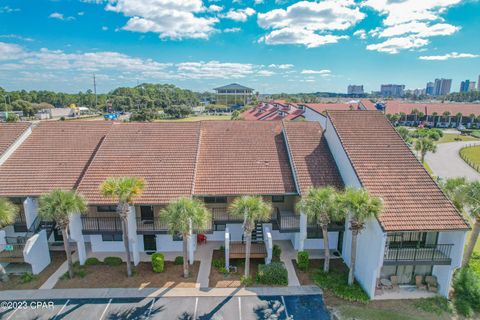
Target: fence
{"type": "Point", "coordinates": [467, 160]}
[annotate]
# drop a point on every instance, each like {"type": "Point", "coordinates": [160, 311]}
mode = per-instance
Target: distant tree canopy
{"type": "Point", "coordinates": [470, 96]}
{"type": "Point", "coordinates": [178, 111]}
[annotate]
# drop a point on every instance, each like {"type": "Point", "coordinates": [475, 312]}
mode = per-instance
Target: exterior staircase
{"type": "Point", "coordinates": [257, 234]}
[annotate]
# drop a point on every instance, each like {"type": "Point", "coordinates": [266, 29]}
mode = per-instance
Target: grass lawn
{"type": "Point", "coordinates": [198, 118]}
{"type": "Point", "coordinates": [104, 276]}
{"type": "Point", "coordinates": [15, 281]}
{"type": "Point", "coordinates": [453, 137]}
{"type": "Point", "coordinates": [472, 154]}
{"type": "Point", "coordinates": [427, 167]}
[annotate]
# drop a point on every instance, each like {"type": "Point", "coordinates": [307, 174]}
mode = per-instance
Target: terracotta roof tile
{"type": "Point", "coordinates": [397, 106]}
{"type": "Point", "coordinates": [388, 169]}
{"type": "Point", "coordinates": [10, 132]}
{"type": "Point", "coordinates": [54, 156]}
{"type": "Point", "coordinates": [243, 157]}
{"type": "Point", "coordinates": [313, 163]}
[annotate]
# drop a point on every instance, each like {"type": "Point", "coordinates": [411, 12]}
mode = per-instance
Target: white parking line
{"type": "Point", "coordinates": [240, 308]}
{"type": "Point", "coordinates": [150, 309]}
{"type": "Point", "coordinates": [195, 310]}
{"type": "Point", "coordinates": [11, 315]}
{"type": "Point", "coordinates": [61, 310]}
{"type": "Point", "coordinates": [103, 313]}
{"type": "Point", "coordinates": [286, 311]}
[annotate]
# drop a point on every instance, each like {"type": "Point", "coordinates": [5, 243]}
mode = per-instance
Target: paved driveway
{"type": "Point", "coordinates": [446, 162]}
{"type": "Point", "coordinates": [309, 307]}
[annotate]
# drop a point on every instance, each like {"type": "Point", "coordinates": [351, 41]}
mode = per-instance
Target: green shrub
{"type": "Point", "coordinates": [337, 283]}
{"type": "Point", "coordinates": [303, 260]}
{"type": "Point", "coordinates": [112, 261]}
{"type": "Point", "coordinates": [218, 263]}
{"type": "Point", "coordinates": [437, 305]}
{"type": "Point", "coordinates": [28, 277]}
{"type": "Point", "coordinates": [467, 291]}
{"type": "Point", "coordinates": [276, 251]}
{"type": "Point", "coordinates": [272, 274]}
{"type": "Point", "coordinates": [158, 262]}
{"type": "Point", "coordinates": [474, 263]}
{"type": "Point", "coordinates": [223, 270]}
{"type": "Point", "coordinates": [92, 261]}
{"type": "Point", "coordinates": [178, 260]}
{"type": "Point", "coordinates": [246, 281]}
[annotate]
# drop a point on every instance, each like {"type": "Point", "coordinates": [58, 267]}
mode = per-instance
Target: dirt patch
{"type": "Point", "coordinates": [15, 282]}
{"type": "Point", "coordinates": [103, 276]}
{"type": "Point", "coordinates": [232, 279]}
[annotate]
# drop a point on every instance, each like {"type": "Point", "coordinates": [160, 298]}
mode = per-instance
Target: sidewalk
{"type": "Point", "coordinates": [153, 292]}
{"type": "Point", "coordinates": [288, 254]}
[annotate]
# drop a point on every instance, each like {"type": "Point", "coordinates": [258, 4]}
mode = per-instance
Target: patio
{"type": "Point", "coordinates": [403, 292]}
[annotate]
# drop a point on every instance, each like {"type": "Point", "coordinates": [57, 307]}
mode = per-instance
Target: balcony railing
{"type": "Point", "coordinates": [428, 255]}
{"type": "Point", "coordinates": [220, 214]}
{"type": "Point", "coordinates": [288, 222]}
{"type": "Point", "coordinates": [151, 225]}
{"type": "Point", "coordinates": [101, 224]}
{"type": "Point", "coordinates": [12, 252]}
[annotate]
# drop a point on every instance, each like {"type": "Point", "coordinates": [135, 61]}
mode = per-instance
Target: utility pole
{"type": "Point", "coordinates": [95, 89]}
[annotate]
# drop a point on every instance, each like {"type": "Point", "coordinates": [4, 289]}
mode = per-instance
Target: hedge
{"type": "Point", "coordinates": [112, 261]}
{"type": "Point", "coordinates": [158, 262]}
{"type": "Point", "coordinates": [272, 274]}
{"type": "Point", "coordinates": [303, 260]}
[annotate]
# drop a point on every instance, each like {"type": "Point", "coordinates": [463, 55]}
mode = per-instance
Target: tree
{"type": "Point", "coordinates": [404, 133]}
{"type": "Point", "coordinates": [323, 205]}
{"type": "Point", "coordinates": [8, 213]}
{"type": "Point", "coordinates": [58, 206]}
{"type": "Point", "coordinates": [182, 215]}
{"type": "Point", "coordinates": [178, 112]}
{"type": "Point", "coordinates": [252, 209]}
{"type": "Point", "coordinates": [424, 145]}
{"type": "Point", "coordinates": [236, 115]}
{"type": "Point", "coordinates": [472, 201]}
{"type": "Point", "coordinates": [361, 207]}
{"type": "Point", "coordinates": [124, 190]}
{"type": "Point", "coordinates": [454, 189]}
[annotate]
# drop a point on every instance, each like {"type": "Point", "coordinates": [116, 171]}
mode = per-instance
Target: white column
{"type": "Point", "coordinates": [191, 244]}
{"type": "Point", "coordinates": [268, 245]}
{"type": "Point", "coordinates": [132, 235]}
{"type": "Point", "coordinates": [227, 249]}
{"type": "Point", "coordinates": [303, 231]}
{"type": "Point", "coordinates": [77, 236]}
{"type": "Point", "coordinates": [30, 206]}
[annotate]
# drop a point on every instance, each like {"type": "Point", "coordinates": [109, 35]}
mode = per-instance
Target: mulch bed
{"type": "Point", "coordinates": [103, 276]}
{"type": "Point", "coordinates": [306, 277]}
{"type": "Point", "coordinates": [15, 281]}
{"type": "Point", "coordinates": [232, 280]}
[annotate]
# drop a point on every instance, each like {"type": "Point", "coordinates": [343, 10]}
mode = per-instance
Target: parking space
{"type": "Point", "coordinates": [309, 307]}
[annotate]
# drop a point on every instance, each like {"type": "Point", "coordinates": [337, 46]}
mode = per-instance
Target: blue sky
{"type": "Point", "coordinates": [270, 45]}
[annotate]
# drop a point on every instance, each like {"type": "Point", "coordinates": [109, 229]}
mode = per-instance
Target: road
{"type": "Point", "coordinates": [300, 307]}
{"type": "Point", "coordinates": [446, 162]}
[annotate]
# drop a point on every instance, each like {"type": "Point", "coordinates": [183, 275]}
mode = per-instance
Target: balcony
{"type": "Point", "coordinates": [426, 255]}
{"type": "Point", "coordinates": [289, 222]}
{"type": "Point", "coordinates": [149, 226]}
{"type": "Point", "coordinates": [94, 225]}
{"type": "Point", "coordinates": [221, 215]}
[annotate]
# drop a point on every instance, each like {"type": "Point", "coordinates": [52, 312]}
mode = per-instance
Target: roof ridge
{"type": "Point", "coordinates": [292, 160]}
{"type": "Point", "coordinates": [199, 142]}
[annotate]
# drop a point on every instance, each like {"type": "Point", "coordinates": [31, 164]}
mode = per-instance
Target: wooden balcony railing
{"type": "Point", "coordinates": [429, 254]}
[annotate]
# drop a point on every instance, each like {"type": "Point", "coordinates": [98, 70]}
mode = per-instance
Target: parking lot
{"type": "Point", "coordinates": [232, 307]}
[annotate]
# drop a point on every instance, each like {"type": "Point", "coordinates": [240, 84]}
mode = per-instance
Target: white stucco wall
{"type": "Point", "coordinates": [10, 150]}
{"type": "Point", "coordinates": [444, 274]}
{"type": "Point", "coordinates": [36, 252]}
{"type": "Point", "coordinates": [318, 243]}
{"type": "Point", "coordinates": [165, 243]}
{"type": "Point", "coordinates": [98, 245]}
{"type": "Point", "coordinates": [311, 115]}
{"type": "Point", "coordinates": [30, 206]}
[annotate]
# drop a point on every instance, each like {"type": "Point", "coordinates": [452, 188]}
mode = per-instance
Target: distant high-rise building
{"type": "Point", "coordinates": [429, 89]}
{"type": "Point", "coordinates": [392, 90]}
{"type": "Point", "coordinates": [478, 83]}
{"type": "Point", "coordinates": [464, 85]}
{"type": "Point", "coordinates": [471, 87]}
{"type": "Point", "coordinates": [442, 87]}
{"type": "Point", "coordinates": [355, 89]}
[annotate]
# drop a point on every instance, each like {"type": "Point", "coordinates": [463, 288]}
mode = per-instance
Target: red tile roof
{"type": "Point", "coordinates": [273, 111]}
{"type": "Point", "coordinates": [10, 132]}
{"type": "Point", "coordinates": [388, 169]}
{"type": "Point", "coordinates": [313, 163]}
{"type": "Point", "coordinates": [397, 106]}
{"type": "Point", "coordinates": [243, 157]}
{"type": "Point", "coordinates": [162, 153]}
{"type": "Point", "coordinates": [54, 156]}
{"type": "Point", "coordinates": [322, 107]}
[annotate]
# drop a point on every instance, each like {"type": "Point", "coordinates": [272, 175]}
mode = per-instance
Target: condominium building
{"type": "Point", "coordinates": [442, 87]}
{"type": "Point", "coordinates": [355, 89]}
{"type": "Point", "coordinates": [429, 89]}
{"type": "Point", "coordinates": [392, 90]}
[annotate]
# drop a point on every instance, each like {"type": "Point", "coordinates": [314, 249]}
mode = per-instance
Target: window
{"type": "Point", "coordinates": [220, 227]}
{"type": "Point", "coordinates": [314, 234]}
{"type": "Point", "coordinates": [177, 237]}
{"type": "Point", "coordinates": [215, 199]}
{"type": "Point", "coordinates": [278, 199]}
{"type": "Point", "coordinates": [112, 237]}
{"type": "Point", "coordinates": [106, 208]}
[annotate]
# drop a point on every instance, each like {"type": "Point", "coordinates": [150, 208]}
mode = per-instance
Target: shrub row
{"type": "Point", "coordinates": [337, 283]}
{"type": "Point", "coordinates": [272, 274]}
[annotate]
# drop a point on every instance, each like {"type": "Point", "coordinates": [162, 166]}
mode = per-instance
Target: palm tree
{"type": "Point", "coordinates": [124, 190]}
{"type": "Point", "coordinates": [424, 145]}
{"type": "Point", "coordinates": [58, 206]}
{"type": "Point", "coordinates": [252, 209]}
{"type": "Point", "coordinates": [361, 207]}
{"type": "Point", "coordinates": [8, 213]}
{"type": "Point", "coordinates": [472, 200]}
{"type": "Point", "coordinates": [323, 205]}
{"type": "Point", "coordinates": [404, 133]}
{"type": "Point", "coordinates": [454, 188]}
{"type": "Point", "coordinates": [183, 214]}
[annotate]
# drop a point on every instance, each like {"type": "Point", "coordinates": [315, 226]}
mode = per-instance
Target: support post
{"type": "Point", "coordinates": [303, 231]}
{"type": "Point", "coordinates": [227, 249]}
{"type": "Point", "coordinates": [30, 206]}
{"type": "Point", "coordinates": [191, 244]}
{"type": "Point", "coordinates": [132, 235]}
{"type": "Point", "coordinates": [76, 235]}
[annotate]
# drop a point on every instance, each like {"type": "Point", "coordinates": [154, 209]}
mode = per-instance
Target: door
{"type": "Point", "coordinates": [146, 213]}
{"type": "Point", "coordinates": [57, 235]}
{"type": "Point", "coordinates": [405, 274]}
{"type": "Point", "coordinates": [149, 242]}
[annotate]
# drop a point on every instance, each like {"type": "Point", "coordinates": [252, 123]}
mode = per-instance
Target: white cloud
{"type": "Point", "coordinates": [104, 28]}
{"type": "Point", "coordinates": [308, 23]}
{"type": "Point", "coordinates": [265, 73]}
{"type": "Point", "coordinates": [453, 55]}
{"type": "Point", "coordinates": [215, 8]}
{"type": "Point", "coordinates": [81, 13]}
{"type": "Point", "coordinates": [232, 30]}
{"type": "Point", "coordinates": [16, 36]}
{"type": "Point", "coordinates": [361, 33]}
{"type": "Point", "coordinates": [281, 66]}
{"type": "Point", "coordinates": [60, 16]}
{"type": "Point", "coordinates": [214, 69]}
{"type": "Point", "coordinates": [240, 15]}
{"type": "Point", "coordinates": [9, 51]}
{"type": "Point", "coordinates": [324, 71]}
{"type": "Point", "coordinates": [394, 45]}
{"type": "Point", "coordinates": [257, 2]}
{"type": "Point", "coordinates": [7, 9]}
{"type": "Point", "coordinates": [420, 29]}
{"type": "Point", "coordinates": [169, 18]}
{"type": "Point", "coordinates": [300, 36]}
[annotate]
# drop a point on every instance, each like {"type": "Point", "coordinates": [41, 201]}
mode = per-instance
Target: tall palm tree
{"type": "Point", "coordinates": [8, 213]}
{"type": "Point", "coordinates": [472, 201]}
{"type": "Point", "coordinates": [361, 207]}
{"type": "Point", "coordinates": [323, 205]}
{"type": "Point", "coordinates": [124, 190]}
{"type": "Point", "coordinates": [59, 205]}
{"type": "Point", "coordinates": [424, 145]}
{"type": "Point", "coordinates": [183, 214]}
{"type": "Point", "coordinates": [252, 209]}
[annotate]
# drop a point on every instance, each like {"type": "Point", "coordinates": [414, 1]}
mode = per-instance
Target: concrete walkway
{"type": "Point", "coordinates": [288, 254]}
{"type": "Point", "coordinates": [53, 279]}
{"type": "Point", "coordinates": [155, 292]}
{"type": "Point", "coordinates": [446, 162]}
{"type": "Point", "coordinates": [204, 254]}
